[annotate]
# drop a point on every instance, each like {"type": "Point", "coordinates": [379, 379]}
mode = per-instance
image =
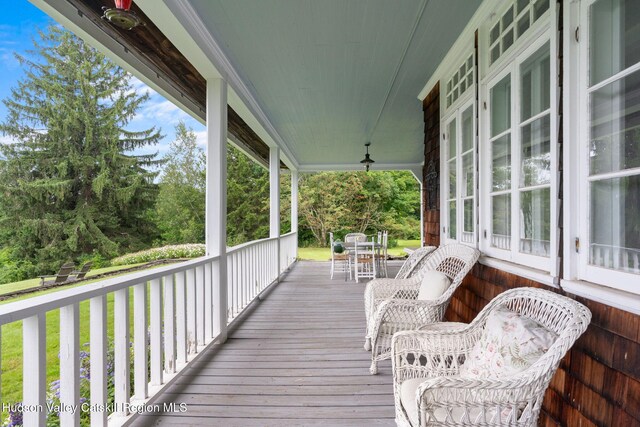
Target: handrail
{"type": "Point", "coordinates": [20, 310]}
{"type": "Point", "coordinates": [176, 314]}
{"type": "Point", "coordinates": [236, 248]}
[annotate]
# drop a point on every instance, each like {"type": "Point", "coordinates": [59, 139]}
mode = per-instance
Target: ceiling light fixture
{"type": "Point", "coordinates": [121, 16]}
{"type": "Point", "coordinates": [367, 161]}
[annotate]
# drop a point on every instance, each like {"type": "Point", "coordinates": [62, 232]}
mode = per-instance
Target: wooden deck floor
{"type": "Point", "coordinates": [296, 360]}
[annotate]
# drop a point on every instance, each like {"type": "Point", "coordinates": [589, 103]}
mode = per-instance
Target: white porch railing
{"type": "Point", "coordinates": [288, 250]}
{"type": "Point", "coordinates": [173, 320]}
{"type": "Point", "coordinates": [615, 257]}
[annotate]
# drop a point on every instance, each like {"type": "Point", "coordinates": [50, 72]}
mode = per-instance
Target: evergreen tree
{"type": "Point", "coordinates": [180, 207]}
{"type": "Point", "coordinates": [70, 183]}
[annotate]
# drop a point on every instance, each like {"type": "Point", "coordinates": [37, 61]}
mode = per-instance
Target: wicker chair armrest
{"type": "Point", "coordinates": [432, 353]}
{"type": "Point", "coordinates": [386, 288]}
{"type": "Point", "coordinates": [379, 290]}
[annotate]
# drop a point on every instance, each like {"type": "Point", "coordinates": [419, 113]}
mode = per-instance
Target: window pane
{"type": "Point", "coordinates": [614, 42]}
{"type": "Point", "coordinates": [522, 4]}
{"type": "Point", "coordinates": [501, 163]}
{"type": "Point", "coordinates": [468, 216]}
{"type": "Point", "coordinates": [535, 226]}
{"type": "Point", "coordinates": [535, 156]}
{"type": "Point", "coordinates": [501, 106]}
{"type": "Point", "coordinates": [452, 179]}
{"type": "Point", "coordinates": [452, 139]}
{"type": "Point", "coordinates": [467, 175]}
{"type": "Point", "coordinates": [507, 40]}
{"type": "Point", "coordinates": [523, 24]}
{"type": "Point", "coordinates": [452, 219]}
{"type": "Point", "coordinates": [535, 84]}
{"type": "Point", "coordinates": [507, 18]}
{"type": "Point", "coordinates": [615, 126]}
{"type": "Point", "coordinates": [495, 53]}
{"type": "Point", "coordinates": [615, 224]}
{"type": "Point", "coordinates": [467, 129]}
{"type": "Point", "coordinates": [495, 33]}
{"type": "Point", "coordinates": [539, 8]}
{"type": "Point", "coordinates": [501, 221]}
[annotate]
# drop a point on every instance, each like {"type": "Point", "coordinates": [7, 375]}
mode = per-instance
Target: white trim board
{"type": "Point", "coordinates": [336, 167]}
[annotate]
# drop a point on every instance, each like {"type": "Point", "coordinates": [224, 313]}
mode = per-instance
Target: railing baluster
{"type": "Point", "coordinates": [192, 337]}
{"type": "Point", "coordinates": [98, 352]}
{"type": "Point", "coordinates": [208, 303]}
{"type": "Point", "coordinates": [200, 304]}
{"type": "Point", "coordinates": [140, 342]}
{"type": "Point", "coordinates": [234, 269]}
{"type": "Point", "coordinates": [69, 364]}
{"type": "Point", "coordinates": [155, 331]}
{"type": "Point", "coordinates": [121, 350]}
{"type": "Point", "coordinates": [245, 280]}
{"type": "Point", "coordinates": [34, 370]}
{"type": "Point", "coordinates": [169, 326]}
{"type": "Point", "coordinates": [182, 344]}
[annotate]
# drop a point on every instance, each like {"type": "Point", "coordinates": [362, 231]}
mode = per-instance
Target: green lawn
{"type": "Point", "coordinates": [12, 335]}
{"type": "Point", "coordinates": [7, 288]}
{"type": "Point", "coordinates": [323, 254]}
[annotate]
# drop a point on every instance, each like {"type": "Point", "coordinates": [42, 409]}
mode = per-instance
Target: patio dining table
{"type": "Point", "coordinates": [366, 245]}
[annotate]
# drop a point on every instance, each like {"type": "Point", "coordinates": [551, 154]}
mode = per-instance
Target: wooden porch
{"type": "Point", "coordinates": [296, 359]}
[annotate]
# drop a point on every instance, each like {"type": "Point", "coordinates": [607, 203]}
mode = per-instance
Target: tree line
{"type": "Point", "coordinates": [72, 186]}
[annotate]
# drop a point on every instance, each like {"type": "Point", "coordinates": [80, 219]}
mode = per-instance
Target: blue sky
{"type": "Point", "coordinates": [17, 30]}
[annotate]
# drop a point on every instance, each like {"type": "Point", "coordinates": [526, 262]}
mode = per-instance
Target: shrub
{"type": "Point", "coordinates": [166, 252]}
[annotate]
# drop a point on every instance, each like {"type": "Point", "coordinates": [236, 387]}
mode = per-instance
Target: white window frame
{"type": "Point", "coordinates": [578, 272]}
{"type": "Point", "coordinates": [454, 112]}
{"type": "Point", "coordinates": [543, 31]}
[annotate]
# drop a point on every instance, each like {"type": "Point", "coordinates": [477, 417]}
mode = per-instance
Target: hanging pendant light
{"type": "Point", "coordinates": [121, 16]}
{"type": "Point", "coordinates": [367, 161]}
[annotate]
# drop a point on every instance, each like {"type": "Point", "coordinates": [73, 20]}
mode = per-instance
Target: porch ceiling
{"type": "Point", "coordinates": [333, 74]}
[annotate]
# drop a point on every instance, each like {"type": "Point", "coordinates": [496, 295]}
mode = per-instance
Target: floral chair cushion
{"type": "Point", "coordinates": [509, 344]}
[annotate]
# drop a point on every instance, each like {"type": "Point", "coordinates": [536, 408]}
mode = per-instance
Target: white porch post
{"type": "Point", "coordinates": [274, 191]}
{"type": "Point", "coordinates": [417, 174]}
{"type": "Point", "coordinates": [216, 200]}
{"type": "Point", "coordinates": [294, 205]}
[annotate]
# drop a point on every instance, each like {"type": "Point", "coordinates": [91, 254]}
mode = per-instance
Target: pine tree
{"type": "Point", "coordinates": [70, 183]}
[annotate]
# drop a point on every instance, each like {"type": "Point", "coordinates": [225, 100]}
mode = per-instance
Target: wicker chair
{"type": "Point", "coordinates": [409, 265]}
{"type": "Point", "coordinates": [446, 398]}
{"type": "Point", "coordinates": [379, 290]}
{"type": "Point", "coordinates": [391, 305]}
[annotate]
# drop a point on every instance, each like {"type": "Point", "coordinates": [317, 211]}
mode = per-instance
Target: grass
{"type": "Point", "coordinates": [12, 336]}
{"type": "Point", "coordinates": [8, 288]}
{"type": "Point", "coordinates": [323, 254]}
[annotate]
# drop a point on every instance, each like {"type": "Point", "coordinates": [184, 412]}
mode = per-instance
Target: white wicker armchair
{"type": "Point", "coordinates": [446, 398]}
{"type": "Point", "coordinates": [409, 265]}
{"type": "Point", "coordinates": [382, 289]}
{"type": "Point", "coordinates": [391, 305]}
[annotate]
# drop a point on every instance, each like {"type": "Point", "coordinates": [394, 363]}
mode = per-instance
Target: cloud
{"type": "Point", "coordinates": [201, 138]}
{"type": "Point", "coordinates": [140, 88]}
{"type": "Point", "coordinates": [7, 140]}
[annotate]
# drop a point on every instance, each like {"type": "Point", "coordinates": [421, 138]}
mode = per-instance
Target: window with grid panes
{"type": "Point", "coordinates": [611, 149]}
{"type": "Point", "coordinates": [518, 224]}
{"type": "Point", "coordinates": [460, 81]}
{"type": "Point", "coordinates": [512, 23]}
{"type": "Point", "coordinates": [460, 166]}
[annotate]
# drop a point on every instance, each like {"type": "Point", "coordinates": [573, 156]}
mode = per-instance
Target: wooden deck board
{"type": "Point", "coordinates": [296, 360]}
